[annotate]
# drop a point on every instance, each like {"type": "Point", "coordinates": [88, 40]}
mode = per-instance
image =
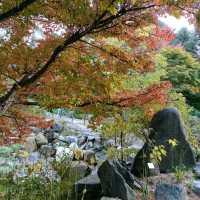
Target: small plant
{"type": "Point", "coordinates": [180, 173]}
{"type": "Point", "coordinates": [158, 152]}
{"type": "Point", "coordinates": [145, 191]}
{"type": "Point", "coordinates": [114, 153]}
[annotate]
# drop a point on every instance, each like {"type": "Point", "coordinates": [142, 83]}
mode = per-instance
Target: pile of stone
{"type": "Point", "coordinates": [51, 143]}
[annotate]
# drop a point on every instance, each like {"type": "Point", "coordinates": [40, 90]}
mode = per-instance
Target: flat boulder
{"type": "Point", "coordinates": [196, 187]}
{"type": "Point", "coordinates": [170, 192]}
{"type": "Point", "coordinates": [165, 125]}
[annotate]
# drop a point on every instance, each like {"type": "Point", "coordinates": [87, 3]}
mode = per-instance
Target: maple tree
{"type": "Point", "coordinates": [85, 49]}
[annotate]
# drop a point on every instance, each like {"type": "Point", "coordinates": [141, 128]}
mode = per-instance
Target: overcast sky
{"type": "Point", "coordinates": [176, 24]}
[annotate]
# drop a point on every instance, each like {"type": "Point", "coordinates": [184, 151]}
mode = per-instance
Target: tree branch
{"type": "Point", "coordinates": [106, 51]}
{"type": "Point", "coordinates": [29, 79]}
{"type": "Point", "coordinates": [16, 10]}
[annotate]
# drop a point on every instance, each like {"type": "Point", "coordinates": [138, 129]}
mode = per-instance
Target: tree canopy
{"type": "Point", "coordinates": [84, 50]}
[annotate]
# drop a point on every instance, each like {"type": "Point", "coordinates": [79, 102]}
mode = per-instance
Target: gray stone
{"type": "Point", "coordinates": [50, 135]}
{"type": "Point", "coordinates": [101, 155]}
{"type": "Point", "coordinates": [71, 139]}
{"type": "Point", "coordinates": [73, 146]}
{"type": "Point", "coordinates": [196, 169]}
{"type": "Point", "coordinates": [36, 130]}
{"type": "Point", "coordinates": [40, 139]}
{"type": "Point", "coordinates": [47, 151]}
{"type": "Point", "coordinates": [109, 143]}
{"type": "Point", "coordinates": [196, 187]}
{"type": "Point", "coordinates": [170, 192]}
{"type": "Point", "coordinates": [82, 140]}
{"type": "Point", "coordinates": [89, 156]}
{"type": "Point", "coordinates": [125, 173]}
{"type": "Point", "coordinates": [30, 144]}
{"type": "Point", "coordinates": [113, 183]}
{"type": "Point", "coordinates": [165, 125]}
{"type": "Point", "coordinates": [57, 128]}
{"type": "Point", "coordinates": [33, 158]}
{"type": "Point", "coordinates": [88, 188]}
{"type": "Point", "coordinates": [63, 152]}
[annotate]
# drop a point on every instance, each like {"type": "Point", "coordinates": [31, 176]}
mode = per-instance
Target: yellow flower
{"type": "Point", "coordinates": [172, 142]}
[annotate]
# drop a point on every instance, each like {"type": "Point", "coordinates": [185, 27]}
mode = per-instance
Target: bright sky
{"type": "Point", "coordinates": [176, 24]}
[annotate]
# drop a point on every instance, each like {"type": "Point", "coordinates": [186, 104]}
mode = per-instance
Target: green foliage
{"type": "Point", "coordinates": [114, 153]}
{"type": "Point", "coordinates": [139, 81]}
{"type": "Point", "coordinates": [132, 121]}
{"type": "Point", "coordinates": [182, 69]}
{"type": "Point", "coordinates": [30, 188]}
{"type": "Point", "coordinates": [157, 153]}
{"type": "Point", "coordinates": [177, 100]}
{"type": "Point", "coordinates": [184, 73]}
{"type": "Point", "coordinates": [40, 188]}
{"type": "Point", "coordinates": [180, 173]}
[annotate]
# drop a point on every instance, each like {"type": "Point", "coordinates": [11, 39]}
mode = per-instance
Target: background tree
{"type": "Point", "coordinates": [189, 40]}
{"type": "Point", "coordinates": [183, 71]}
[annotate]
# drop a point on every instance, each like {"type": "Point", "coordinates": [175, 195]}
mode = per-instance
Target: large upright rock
{"type": "Point", "coordinates": [113, 181]}
{"type": "Point", "coordinates": [88, 188]}
{"type": "Point", "coordinates": [165, 125]}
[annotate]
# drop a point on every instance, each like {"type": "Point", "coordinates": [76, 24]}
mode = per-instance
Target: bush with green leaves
{"type": "Point", "coordinates": [183, 71]}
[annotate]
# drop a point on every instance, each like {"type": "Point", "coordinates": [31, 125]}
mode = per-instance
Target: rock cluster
{"type": "Point", "coordinates": [111, 180]}
{"type": "Point", "coordinates": [51, 143]}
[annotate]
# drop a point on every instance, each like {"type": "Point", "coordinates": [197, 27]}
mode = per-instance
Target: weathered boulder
{"type": "Point", "coordinates": [113, 182]}
{"type": "Point", "coordinates": [165, 125]}
{"type": "Point", "coordinates": [170, 192]}
{"type": "Point", "coordinates": [88, 188]}
{"type": "Point", "coordinates": [30, 144]}
{"type": "Point", "coordinates": [47, 151]}
{"type": "Point", "coordinates": [125, 173]}
{"type": "Point", "coordinates": [40, 139]}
